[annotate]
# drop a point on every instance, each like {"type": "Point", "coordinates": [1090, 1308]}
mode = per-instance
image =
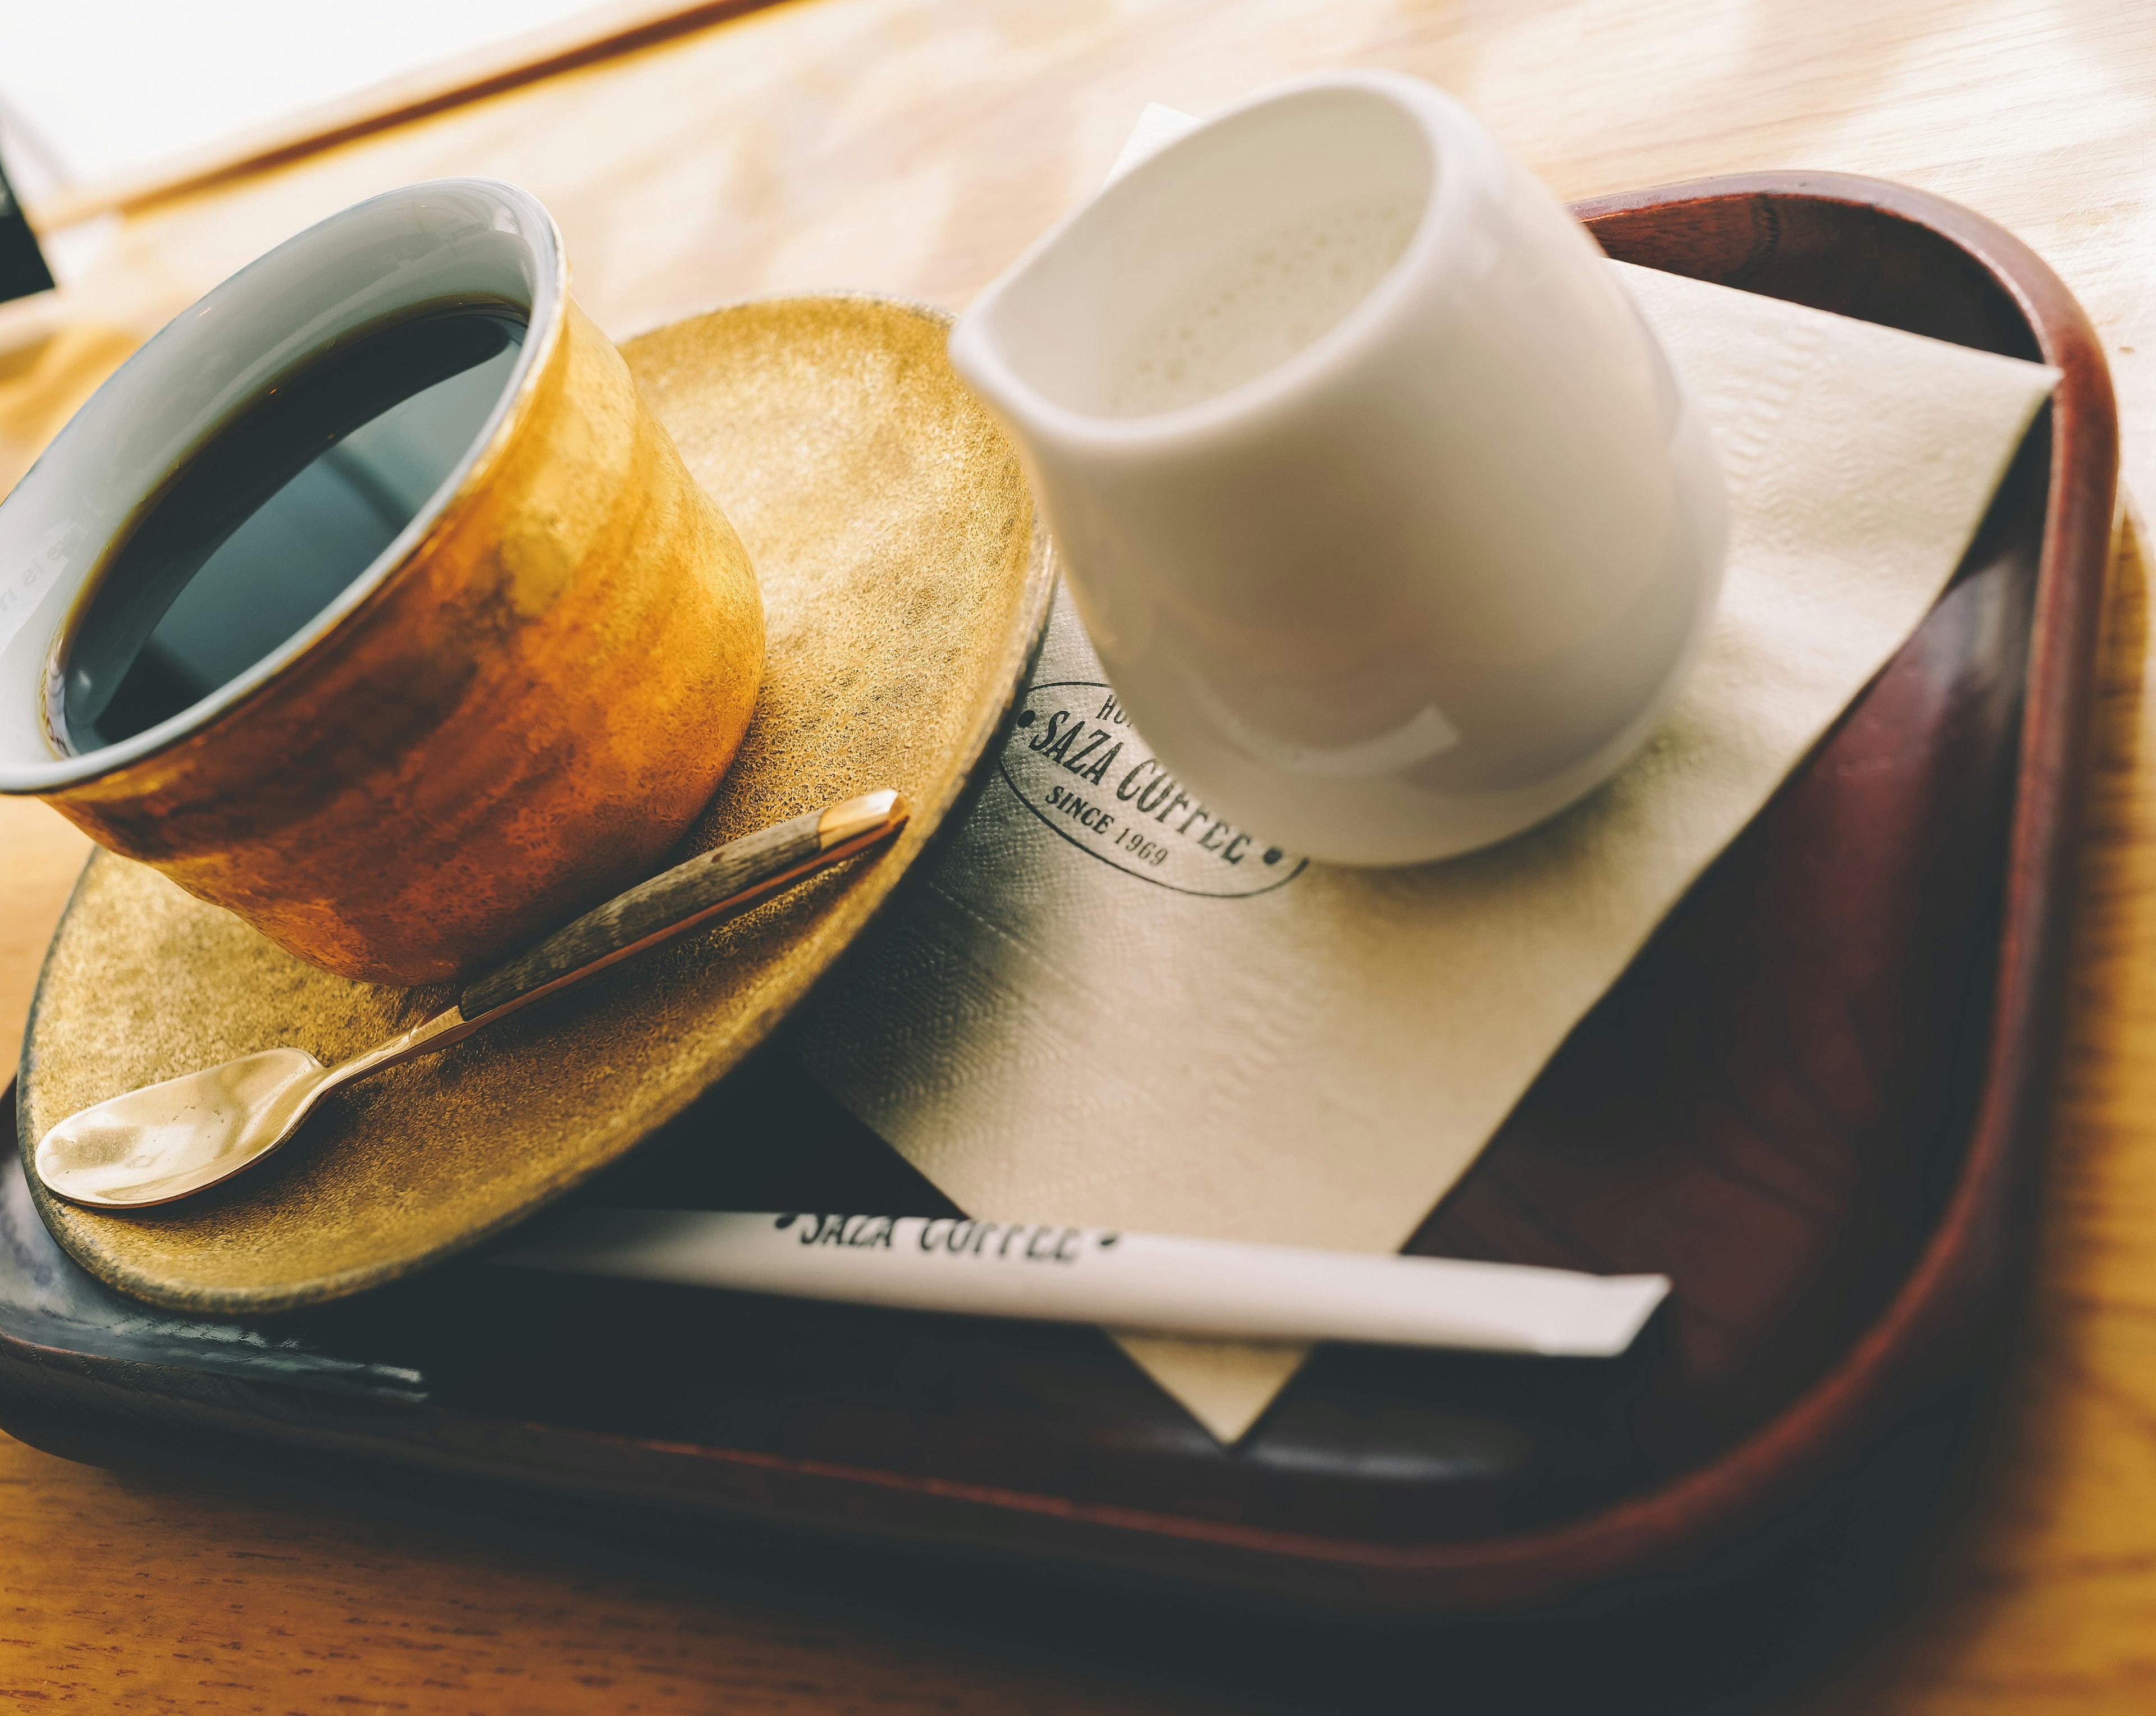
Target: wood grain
{"type": "Point", "coordinates": [583, 38]}
{"type": "Point", "coordinates": [125, 1595]}
{"type": "Point", "coordinates": [916, 147]}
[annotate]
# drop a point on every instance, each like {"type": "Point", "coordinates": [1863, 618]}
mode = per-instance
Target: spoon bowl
{"type": "Point", "coordinates": [163, 1141]}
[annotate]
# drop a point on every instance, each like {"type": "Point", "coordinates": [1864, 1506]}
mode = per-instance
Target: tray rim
{"type": "Point", "coordinates": [1930, 1328]}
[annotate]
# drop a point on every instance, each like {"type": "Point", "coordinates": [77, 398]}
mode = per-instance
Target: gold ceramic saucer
{"type": "Point", "coordinates": [905, 586]}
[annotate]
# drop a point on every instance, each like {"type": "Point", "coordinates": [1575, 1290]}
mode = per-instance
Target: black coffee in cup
{"type": "Point", "coordinates": [274, 514]}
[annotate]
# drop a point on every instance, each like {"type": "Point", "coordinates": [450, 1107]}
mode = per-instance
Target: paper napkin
{"type": "Point", "coordinates": [1087, 1016]}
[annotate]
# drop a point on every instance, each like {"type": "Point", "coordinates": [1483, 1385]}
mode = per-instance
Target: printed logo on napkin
{"type": "Point", "coordinates": [1074, 761]}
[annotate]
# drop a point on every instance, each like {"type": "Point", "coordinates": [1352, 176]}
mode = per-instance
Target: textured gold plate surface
{"type": "Point", "coordinates": [905, 585]}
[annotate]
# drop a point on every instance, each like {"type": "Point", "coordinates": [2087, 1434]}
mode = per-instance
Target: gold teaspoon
{"type": "Point", "coordinates": [170, 1141]}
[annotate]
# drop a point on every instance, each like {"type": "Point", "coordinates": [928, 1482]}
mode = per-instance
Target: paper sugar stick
{"type": "Point", "coordinates": [1121, 1280]}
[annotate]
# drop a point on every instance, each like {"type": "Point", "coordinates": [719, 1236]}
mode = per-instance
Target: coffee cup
{"type": "Point", "coordinates": [511, 695]}
{"type": "Point", "coordinates": [1390, 521]}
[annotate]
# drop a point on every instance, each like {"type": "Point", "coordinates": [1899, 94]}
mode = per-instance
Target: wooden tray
{"type": "Point", "coordinates": [1816, 1100]}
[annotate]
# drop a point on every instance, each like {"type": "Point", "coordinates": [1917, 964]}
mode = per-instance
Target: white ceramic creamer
{"type": "Point", "coordinates": [1385, 511]}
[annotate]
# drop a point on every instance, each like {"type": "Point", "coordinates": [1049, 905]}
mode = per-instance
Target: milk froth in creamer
{"type": "Point", "coordinates": [1261, 309]}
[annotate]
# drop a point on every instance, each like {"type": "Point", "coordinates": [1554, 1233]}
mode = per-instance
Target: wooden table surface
{"type": "Point", "coordinates": [916, 146]}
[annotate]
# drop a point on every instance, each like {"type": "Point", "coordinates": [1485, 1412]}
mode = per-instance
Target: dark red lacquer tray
{"type": "Point", "coordinates": [1815, 1101]}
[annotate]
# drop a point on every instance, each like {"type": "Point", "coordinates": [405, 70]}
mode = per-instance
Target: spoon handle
{"type": "Point", "coordinates": [733, 876]}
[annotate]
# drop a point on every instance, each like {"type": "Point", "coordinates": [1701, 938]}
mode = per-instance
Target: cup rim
{"type": "Point", "coordinates": [1451, 134]}
{"type": "Point", "coordinates": [536, 225]}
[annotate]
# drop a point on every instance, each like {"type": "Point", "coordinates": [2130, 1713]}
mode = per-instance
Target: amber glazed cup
{"type": "Point", "coordinates": [515, 709]}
